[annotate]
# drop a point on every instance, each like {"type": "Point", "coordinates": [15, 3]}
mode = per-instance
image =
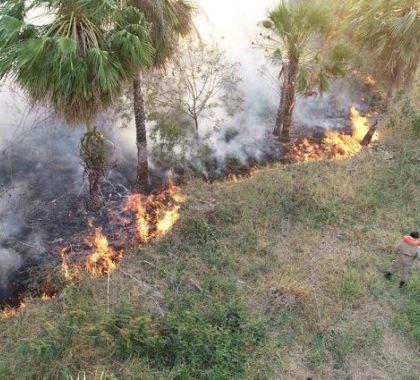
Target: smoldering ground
{"type": "Point", "coordinates": [42, 191]}
{"type": "Point", "coordinates": [40, 177]}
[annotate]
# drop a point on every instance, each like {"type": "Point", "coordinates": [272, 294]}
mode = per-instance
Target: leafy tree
{"type": "Point", "coordinates": [388, 32]}
{"type": "Point", "coordinates": [171, 143]}
{"type": "Point", "coordinates": [77, 61]}
{"type": "Point", "coordinates": [294, 38]}
{"type": "Point", "coordinates": [199, 81]}
{"type": "Point", "coordinates": [170, 20]}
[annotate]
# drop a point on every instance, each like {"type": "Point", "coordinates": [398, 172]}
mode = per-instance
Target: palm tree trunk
{"type": "Point", "coordinates": [290, 99]}
{"type": "Point", "coordinates": [94, 172]}
{"type": "Point", "coordinates": [280, 113]}
{"type": "Point", "coordinates": [142, 180]}
{"type": "Point", "coordinates": [95, 198]}
{"type": "Point", "coordinates": [374, 127]}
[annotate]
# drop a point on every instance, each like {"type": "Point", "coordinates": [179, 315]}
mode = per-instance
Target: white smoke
{"type": "Point", "coordinates": [39, 160]}
{"type": "Point", "coordinates": [236, 26]}
{"type": "Point", "coordinates": [10, 261]}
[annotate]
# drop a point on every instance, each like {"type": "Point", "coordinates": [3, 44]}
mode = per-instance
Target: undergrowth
{"type": "Point", "coordinates": [279, 276]}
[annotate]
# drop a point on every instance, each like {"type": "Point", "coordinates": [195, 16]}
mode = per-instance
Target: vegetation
{"type": "Point", "coordinates": [170, 20]}
{"type": "Point", "coordinates": [295, 28]}
{"type": "Point", "coordinates": [199, 83]}
{"type": "Point", "coordinates": [78, 62]}
{"type": "Point", "coordinates": [389, 34]}
{"type": "Point", "coordinates": [278, 276]}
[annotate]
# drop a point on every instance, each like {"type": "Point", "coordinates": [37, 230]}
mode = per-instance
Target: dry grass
{"type": "Point", "coordinates": [299, 249]}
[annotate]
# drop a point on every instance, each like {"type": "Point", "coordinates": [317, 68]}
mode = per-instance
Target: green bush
{"type": "Point", "coordinates": [205, 335]}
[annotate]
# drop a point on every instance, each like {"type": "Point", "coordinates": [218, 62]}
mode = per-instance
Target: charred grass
{"type": "Point", "coordinates": [278, 276]}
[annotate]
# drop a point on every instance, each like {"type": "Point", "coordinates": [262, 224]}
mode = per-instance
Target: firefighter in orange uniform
{"type": "Point", "coordinates": [408, 249]}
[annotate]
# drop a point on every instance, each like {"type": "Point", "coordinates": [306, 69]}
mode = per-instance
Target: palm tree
{"type": "Point", "coordinates": [388, 32]}
{"type": "Point", "coordinates": [295, 29]}
{"type": "Point", "coordinates": [78, 61]}
{"type": "Point", "coordinates": [170, 20]}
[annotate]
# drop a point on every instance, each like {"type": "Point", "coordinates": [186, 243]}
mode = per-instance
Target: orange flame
{"type": "Point", "coordinates": [104, 259]}
{"type": "Point", "coordinates": [336, 145]}
{"type": "Point", "coordinates": [11, 312]}
{"type": "Point", "coordinates": [47, 297]}
{"type": "Point", "coordinates": [370, 80]}
{"type": "Point", "coordinates": [156, 214]}
{"type": "Point", "coordinates": [70, 272]}
{"type": "Point", "coordinates": [360, 124]}
{"type": "Point", "coordinates": [137, 204]}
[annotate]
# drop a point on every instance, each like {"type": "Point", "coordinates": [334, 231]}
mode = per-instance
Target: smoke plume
{"type": "Point", "coordinates": [42, 191]}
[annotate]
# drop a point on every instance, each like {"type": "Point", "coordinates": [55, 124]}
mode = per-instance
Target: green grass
{"type": "Point", "coordinates": [202, 335]}
{"type": "Point", "coordinates": [280, 276]}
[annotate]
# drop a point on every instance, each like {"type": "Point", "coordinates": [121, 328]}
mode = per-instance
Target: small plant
{"type": "Point", "coordinates": [350, 287]}
{"type": "Point", "coordinates": [412, 115]}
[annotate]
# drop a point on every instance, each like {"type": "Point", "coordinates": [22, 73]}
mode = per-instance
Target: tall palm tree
{"type": "Point", "coordinates": [170, 20]}
{"type": "Point", "coordinates": [295, 29]}
{"type": "Point", "coordinates": [388, 32]}
{"type": "Point", "coordinates": [77, 61]}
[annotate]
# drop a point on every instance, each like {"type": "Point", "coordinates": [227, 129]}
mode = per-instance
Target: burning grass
{"type": "Point", "coordinates": [335, 145]}
{"type": "Point", "coordinates": [140, 220]}
{"type": "Point", "coordinates": [11, 312]}
{"type": "Point", "coordinates": [104, 259]}
{"type": "Point", "coordinates": [281, 278]}
{"type": "Point", "coordinates": [156, 214]}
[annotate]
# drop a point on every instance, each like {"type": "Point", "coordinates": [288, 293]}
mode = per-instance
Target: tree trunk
{"type": "Point", "coordinates": [95, 199]}
{"type": "Point", "coordinates": [289, 99]}
{"type": "Point", "coordinates": [142, 180]}
{"type": "Point", "coordinates": [196, 134]}
{"type": "Point", "coordinates": [374, 127]}
{"type": "Point", "coordinates": [280, 113]}
{"type": "Point", "coordinates": [93, 170]}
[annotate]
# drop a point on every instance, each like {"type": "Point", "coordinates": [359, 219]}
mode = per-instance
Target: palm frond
{"type": "Point", "coordinates": [80, 59]}
{"type": "Point", "coordinates": [389, 32]}
{"type": "Point", "coordinates": [169, 20]}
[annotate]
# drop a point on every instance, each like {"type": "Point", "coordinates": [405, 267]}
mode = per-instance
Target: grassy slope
{"type": "Point", "coordinates": [276, 277]}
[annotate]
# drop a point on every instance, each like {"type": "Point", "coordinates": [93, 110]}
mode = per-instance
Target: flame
{"type": "Point", "coordinates": [137, 204]}
{"type": "Point", "coordinates": [155, 214]}
{"type": "Point", "coordinates": [370, 80]}
{"type": "Point", "coordinates": [236, 178]}
{"type": "Point", "coordinates": [70, 272]}
{"type": "Point", "coordinates": [104, 259]}
{"type": "Point", "coordinates": [47, 297]}
{"type": "Point", "coordinates": [360, 124]}
{"type": "Point", "coordinates": [335, 145]}
{"type": "Point", "coordinates": [11, 312]}
{"type": "Point", "coordinates": [154, 217]}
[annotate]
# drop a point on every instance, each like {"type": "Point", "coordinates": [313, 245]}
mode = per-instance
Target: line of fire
{"type": "Point", "coordinates": [139, 219]}
{"type": "Point", "coordinates": [117, 119]}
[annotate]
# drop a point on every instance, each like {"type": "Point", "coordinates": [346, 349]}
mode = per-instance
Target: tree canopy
{"type": "Point", "coordinates": [79, 59]}
{"type": "Point", "coordinates": [169, 20]}
{"type": "Point", "coordinates": [388, 31]}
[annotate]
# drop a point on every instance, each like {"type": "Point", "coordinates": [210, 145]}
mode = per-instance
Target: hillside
{"type": "Point", "coordinates": [276, 276]}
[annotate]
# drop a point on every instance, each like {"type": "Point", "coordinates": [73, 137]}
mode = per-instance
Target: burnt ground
{"type": "Point", "coordinates": [42, 194]}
